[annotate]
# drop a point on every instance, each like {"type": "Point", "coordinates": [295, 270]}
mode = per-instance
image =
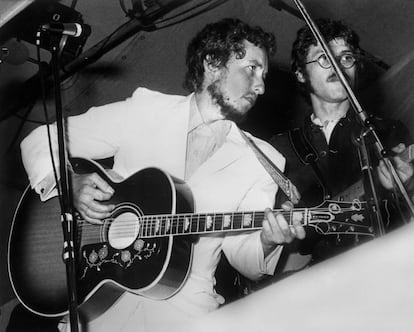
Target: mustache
{"type": "Point", "coordinates": [333, 77]}
{"type": "Point", "coordinates": [252, 97]}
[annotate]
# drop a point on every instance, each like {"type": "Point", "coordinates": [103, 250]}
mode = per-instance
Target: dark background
{"type": "Point", "coordinates": [153, 56]}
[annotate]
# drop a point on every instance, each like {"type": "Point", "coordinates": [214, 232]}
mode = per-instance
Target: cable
{"type": "Point", "coordinates": [153, 26]}
{"type": "Point", "coordinates": [214, 4]}
{"type": "Point", "coordinates": [107, 39]}
{"type": "Point", "coordinates": [49, 136]}
{"type": "Point", "coordinates": [73, 5]}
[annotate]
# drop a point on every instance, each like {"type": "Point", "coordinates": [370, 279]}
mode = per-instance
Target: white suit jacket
{"type": "Point", "coordinates": [150, 129]}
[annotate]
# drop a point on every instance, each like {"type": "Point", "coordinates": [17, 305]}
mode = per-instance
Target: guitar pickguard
{"type": "Point", "coordinates": [134, 267]}
{"type": "Point", "coordinates": [96, 257]}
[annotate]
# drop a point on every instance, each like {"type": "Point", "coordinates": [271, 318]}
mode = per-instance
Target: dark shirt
{"type": "Point", "coordinates": [336, 167]}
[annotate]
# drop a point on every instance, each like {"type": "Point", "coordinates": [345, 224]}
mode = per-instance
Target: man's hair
{"type": "Point", "coordinates": [330, 30]}
{"type": "Point", "coordinates": [217, 42]}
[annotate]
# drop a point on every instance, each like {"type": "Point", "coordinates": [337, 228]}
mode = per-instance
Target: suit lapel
{"type": "Point", "coordinates": [232, 150]}
{"type": "Point", "coordinates": [175, 126]}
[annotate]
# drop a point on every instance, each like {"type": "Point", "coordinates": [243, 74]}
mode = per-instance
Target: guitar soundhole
{"type": "Point", "coordinates": [124, 226]}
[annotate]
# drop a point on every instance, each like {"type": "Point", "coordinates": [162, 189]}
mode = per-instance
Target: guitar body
{"type": "Point", "coordinates": [143, 247]}
{"type": "Point", "coordinates": [111, 258]}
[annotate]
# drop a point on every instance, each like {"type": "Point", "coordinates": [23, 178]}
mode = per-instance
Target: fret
{"type": "Point", "coordinates": [247, 220]}
{"type": "Point", "coordinates": [218, 222]}
{"type": "Point", "coordinates": [237, 221]}
{"type": "Point", "coordinates": [186, 224]}
{"type": "Point", "coordinates": [201, 223]}
{"type": "Point", "coordinates": [209, 222]}
{"type": "Point", "coordinates": [142, 224]}
{"type": "Point", "coordinates": [147, 226]}
{"type": "Point", "coordinates": [180, 225]}
{"type": "Point", "coordinates": [162, 228]}
{"type": "Point", "coordinates": [154, 226]}
{"type": "Point", "coordinates": [168, 225]}
{"type": "Point", "coordinates": [227, 221]}
{"type": "Point", "coordinates": [193, 223]}
{"type": "Point", "coordinates": [157, 226]}
{"type": "Point", "coordinates": [258, 219]}
{"type": "Point", "coordinates": [174, 226]}
{"type": "Point", "coordinates": [214, 226]}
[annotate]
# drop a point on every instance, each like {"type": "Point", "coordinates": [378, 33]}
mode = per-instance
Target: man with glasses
{"type": "Point", "coordinates": [346, 60]}
{"type": "Point", "coordinates": [322, 154]}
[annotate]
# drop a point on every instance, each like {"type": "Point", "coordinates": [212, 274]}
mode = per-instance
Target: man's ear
{"type": "Point", "coordinates": [210, 66]}
{"type": "Point", "coordinates": [299, 76]}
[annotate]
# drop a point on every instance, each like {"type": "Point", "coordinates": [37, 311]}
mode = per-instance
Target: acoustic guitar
{"type": "Point", "coordinates": [144, 247]}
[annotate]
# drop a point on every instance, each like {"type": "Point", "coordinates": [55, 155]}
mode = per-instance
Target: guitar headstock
{"type": "Point", "coordinates": [341, 218]}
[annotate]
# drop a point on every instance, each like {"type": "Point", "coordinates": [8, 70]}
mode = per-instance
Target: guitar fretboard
{"type": "Point", "coordinates": [159, 225]}
{"type": "Point", "coordinates": [329, 218]}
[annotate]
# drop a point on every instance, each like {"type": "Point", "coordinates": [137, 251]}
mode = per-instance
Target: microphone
{"type": "Point", "coordinates": [68, 29]}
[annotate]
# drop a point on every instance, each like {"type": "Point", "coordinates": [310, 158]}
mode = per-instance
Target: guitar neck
{"type": "Point", "coordinates": [186, 224]}
{"type": "Point", "coordinates": [330, 214]}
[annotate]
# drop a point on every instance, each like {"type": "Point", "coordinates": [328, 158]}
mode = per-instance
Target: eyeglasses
{"type": "Point", "coordinates": [346, 60]}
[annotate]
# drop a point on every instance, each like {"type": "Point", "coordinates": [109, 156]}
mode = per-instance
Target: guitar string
{"type": "Point", "coordinates": [367, 232]}
{"type": "Point", "coordinates": [361, 229]}
{"type": "Point", "coordinates": [214, 214]}
{"type": "Point", "coordinates": [152, 229]}
{"type": "Point", "coordinates": [175, 219]}
{"type": "Point", "coordinates": [217, 221]}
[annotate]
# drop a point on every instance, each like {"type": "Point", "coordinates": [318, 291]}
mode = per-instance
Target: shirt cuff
{"type": "Point", "coordinates": [267, 265]}
{"type": "Point", "coordinates": [46, 188]}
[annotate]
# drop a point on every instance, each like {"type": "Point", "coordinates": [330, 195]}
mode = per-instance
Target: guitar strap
{"type": "Point", "coordinates": [306, 152]}
{"type": "Point", "coordinates": [301, 145]}
{"type": "Point", "coordinates": [277, 175]}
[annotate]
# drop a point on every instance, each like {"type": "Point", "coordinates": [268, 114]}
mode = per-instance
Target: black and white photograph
{"type": "Point", "coordinates": [206, 165]}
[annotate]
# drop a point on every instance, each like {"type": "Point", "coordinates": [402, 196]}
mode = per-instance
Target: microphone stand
{"type": "Point", "coordinates": [362, 115]}
{"type": "Point", "coordinates": [68, 220]}
{"type": "Point", "coordinates": [281, 5]}
{"type": "Point", "coordinates": [369, 185]}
